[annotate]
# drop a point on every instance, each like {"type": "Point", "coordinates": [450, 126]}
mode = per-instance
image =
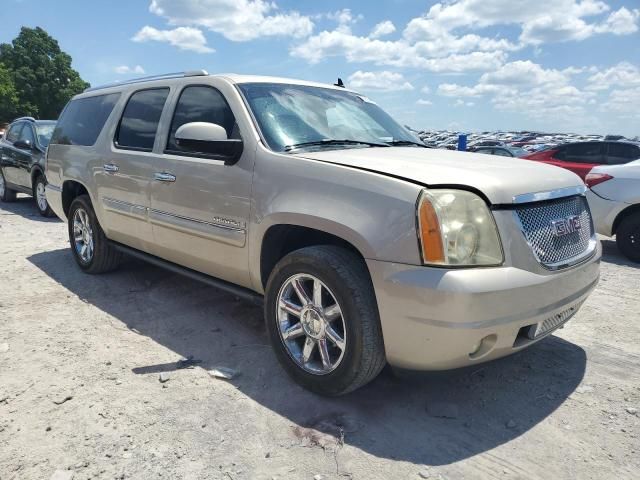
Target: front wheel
{"type": "Point", "coordinates": [89, 245]}
{"type": "Point", "coordinates": [323, 320]}
{"type": "Point", "coordinates": [628, 237]}
{"type": "Point", "coordinates": [40, 195]}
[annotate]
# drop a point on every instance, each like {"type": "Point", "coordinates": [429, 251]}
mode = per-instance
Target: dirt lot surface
{"type": "Point", "coordinates": [81, 359]}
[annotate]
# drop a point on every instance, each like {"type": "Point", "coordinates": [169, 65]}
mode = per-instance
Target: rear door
{"type": "Point", "coordinates": [200, 206]}
{"type": "Point", "coordinates": [8, 157]}
{"type": "Point", "coordinates": [123, 179]}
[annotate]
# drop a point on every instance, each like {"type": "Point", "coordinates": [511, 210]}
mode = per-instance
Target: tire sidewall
{"type": "Point", "coordinates": [47, 211]}
{"type": "Point", "coordinates": [82, 202]}
{"type": "Point", "coordinates": [335, 380]}
{"type": "Point", "coordinates": [628, 226]}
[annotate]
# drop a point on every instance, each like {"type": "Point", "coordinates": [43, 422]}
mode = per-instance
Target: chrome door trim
{"type": "Point", "coordinates": [164, 177]}
{"type": "Point", "coordinates": [217, 231]}
{"type": "Point", "coordinates": [125, 208]}
{"type": "Point", "coordinates": [550, 194]}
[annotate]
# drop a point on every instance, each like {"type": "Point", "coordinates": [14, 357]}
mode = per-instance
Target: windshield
{"type": "Point", "coordinates": [44, 131]}
{"type": "Point", "coordinates": [518, 152]}
{"type": "Point", "coordinates": [289, 115]}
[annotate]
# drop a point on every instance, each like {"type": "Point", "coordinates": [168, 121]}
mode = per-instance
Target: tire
{"type": "Point", "coordinates": [40, 198]}
{"type": "Point", "coordinates": [345, 280]}
{"type": "Point", "coordinates": [103, 257]}
{"type": "Point", "coordinates": [628, 237]}
{"type": "Point", "coordinates": [6, 194]}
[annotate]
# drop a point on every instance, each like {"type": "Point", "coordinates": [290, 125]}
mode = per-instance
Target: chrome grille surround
{"type": "Point", "coordinates": [552, 251]}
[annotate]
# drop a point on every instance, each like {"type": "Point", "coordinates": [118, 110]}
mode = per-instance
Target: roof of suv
{"type": "Point", "coordinates": [230, 77]}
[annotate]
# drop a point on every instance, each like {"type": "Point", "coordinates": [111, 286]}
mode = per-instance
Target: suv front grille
{"type": "Point", "coordinates": [550, 249]}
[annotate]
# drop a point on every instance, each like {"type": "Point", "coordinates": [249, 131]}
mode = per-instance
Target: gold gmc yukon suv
{"type": "Point", "coordinates": [365, 246]}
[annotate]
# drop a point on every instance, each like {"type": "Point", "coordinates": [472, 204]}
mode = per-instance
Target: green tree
{"type": "Point", "coordinates": [8, 96]}
{"type": "Point", "coordinates": [42, 75]}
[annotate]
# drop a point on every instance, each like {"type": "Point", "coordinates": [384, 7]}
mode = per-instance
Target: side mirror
{"type": "Point", "coordinates": [209, 140]}
{"type": "Point", "coordinates": [23, 144]}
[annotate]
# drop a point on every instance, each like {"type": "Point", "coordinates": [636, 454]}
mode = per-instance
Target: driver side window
{"type": "Point", "coordinates": [14, 132]}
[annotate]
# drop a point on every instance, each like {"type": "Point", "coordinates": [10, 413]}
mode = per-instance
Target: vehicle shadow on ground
{"type": "Point", "coordinates": [25, 206]}
{"type": "Point", "coordinates": [611, 254]}
{"type": "Point", "coordinates": [432, 419]}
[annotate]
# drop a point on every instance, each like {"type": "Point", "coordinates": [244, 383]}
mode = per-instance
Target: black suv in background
{"type": "Point", "coordinates": [22, 156]}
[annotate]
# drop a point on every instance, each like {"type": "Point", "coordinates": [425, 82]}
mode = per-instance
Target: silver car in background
{"type": "Point", "coordinates": [364, 246]}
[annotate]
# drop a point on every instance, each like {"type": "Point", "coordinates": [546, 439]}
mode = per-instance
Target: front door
{"type": "Point", "coordinates": [24, 156]}
{"type": "Point", "coordinates": [200, 206]}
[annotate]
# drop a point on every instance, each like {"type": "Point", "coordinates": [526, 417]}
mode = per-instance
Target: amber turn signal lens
{"type": "Point", "coordinates": [430, 234]}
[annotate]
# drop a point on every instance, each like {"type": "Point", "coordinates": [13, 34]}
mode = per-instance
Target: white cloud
{"type": "Point", "coordinates": [621, 22]}
{"type": "Point", "coordinates": [624, 74]}
{"type": "Point", "coordinates": [526, 88]}
{"type": "Point", "coordinates": [384, 80]}
{"type": "Point", "coordinates": [237, 20]}
{"type": "Point", "coordinates": [425, 89]}
{"type": "Point", "coordinates": [383, 28]}
{"type": "Point", "coordinates": [125, 69]}
{"type": "Point", "coordinates": [422, 101]}
{"type": "Point", "coordinates": [185, 38]}
{"type": "Point", "coordinates": [624, 103]}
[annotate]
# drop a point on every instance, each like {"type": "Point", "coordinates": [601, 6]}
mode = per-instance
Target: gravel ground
{"type": "Point", "coordinates": [81, 359]}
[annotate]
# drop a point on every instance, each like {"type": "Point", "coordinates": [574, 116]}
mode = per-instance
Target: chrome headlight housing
{"type": "Point", "coordinates": [457, 228]}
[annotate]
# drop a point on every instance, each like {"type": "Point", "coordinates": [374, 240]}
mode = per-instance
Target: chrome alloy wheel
{"type": "Point", "coordinates": [311, 324]}
{"type": "Point", "coordinates": [41, 196]}
{"type": "Point", "coordinates": [83, 235]}
{"type": "Point", "coordinates": [2, 186]}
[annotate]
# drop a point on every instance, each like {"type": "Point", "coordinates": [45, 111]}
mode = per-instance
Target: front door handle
{"type": "Point", "coordinates": [110, 168]}
{"type": "Point", "coordinates": [164, 177]}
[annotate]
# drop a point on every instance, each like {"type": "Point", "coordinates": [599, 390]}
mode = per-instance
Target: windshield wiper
{"type": "Point", "coordinates": [333, 141]}
{"type": "Point", "coordinates": [402, 143]}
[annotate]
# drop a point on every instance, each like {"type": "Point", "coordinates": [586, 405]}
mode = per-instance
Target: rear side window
{"type": "Point", "coordinates": [83, 119]}
{"type": "Point", "coordinates": [589, 152]}
{"type": "Point", "coordinates": [140, 119]}
{"type": "Point", "coordinates": [621, 153]}
{"type": "Point", "coordinates": [14, 132]}
{"type": "Point", "coordinates": [202, 104]}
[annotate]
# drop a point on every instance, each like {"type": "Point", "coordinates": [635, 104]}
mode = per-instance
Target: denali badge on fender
{"type": "Point", "coordinates": [566, 226]}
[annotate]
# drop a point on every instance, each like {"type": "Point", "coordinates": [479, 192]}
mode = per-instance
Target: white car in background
{"type": "Point", "coordinates": [614, 198]}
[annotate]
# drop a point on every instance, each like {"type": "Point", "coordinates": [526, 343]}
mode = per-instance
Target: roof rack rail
{"type": "Point", "coordinates": [189, 73]}
{"type": "Point", "coordinates": [30, 119]}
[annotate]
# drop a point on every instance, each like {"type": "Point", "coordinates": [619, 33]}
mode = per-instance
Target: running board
{"type": "Point", "coordinates": [231, 288]}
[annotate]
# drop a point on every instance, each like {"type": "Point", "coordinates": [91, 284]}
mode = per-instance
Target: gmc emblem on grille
{"type": "Point", "coordinates": [565, 226]}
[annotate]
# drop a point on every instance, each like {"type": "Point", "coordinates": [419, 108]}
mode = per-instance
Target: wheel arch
{"type": "Point", "coordinates": [280, 238]}
{"type": "Point", "coordinates": [36, 171]}
{"type": "Point", "coordinates": [630, 210]}
{"type": "Point", "coordinates": [70, 190]}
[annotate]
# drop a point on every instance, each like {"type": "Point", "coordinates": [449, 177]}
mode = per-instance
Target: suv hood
{"type": "Point", "coordinates": [499, 178]}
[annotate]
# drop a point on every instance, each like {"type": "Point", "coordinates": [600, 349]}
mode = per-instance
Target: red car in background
{"type": "Point", "coordinates": [581, 157]}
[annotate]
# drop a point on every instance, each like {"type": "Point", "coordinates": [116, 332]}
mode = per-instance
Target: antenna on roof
{"type": "Point", "coordinates": [340, 83]}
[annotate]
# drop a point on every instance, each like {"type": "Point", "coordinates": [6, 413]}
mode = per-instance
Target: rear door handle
{"type": "Point", "coordinates": [110, 168]}
{"type": "Point", "coordinates": [164, 177]}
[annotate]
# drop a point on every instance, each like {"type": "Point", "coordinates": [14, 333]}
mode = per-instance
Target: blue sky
{"type": "Point", "coordinates": [554, 65]}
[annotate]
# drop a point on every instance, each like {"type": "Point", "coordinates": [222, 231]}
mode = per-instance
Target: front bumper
{"type": "Point", "coordinates": [436, 318]}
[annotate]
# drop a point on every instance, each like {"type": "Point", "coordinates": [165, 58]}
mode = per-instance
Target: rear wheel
{"type": "Point", "coordinates": [6, 194]}
{"type": "Point", "coordinates": [90, 247]}
{"type": "Point", "coordinates": [323, 320]}
{"type": "Point", "coordinates": [628, 237]}
{"type": "Point", "coordinates": [40, 196]}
